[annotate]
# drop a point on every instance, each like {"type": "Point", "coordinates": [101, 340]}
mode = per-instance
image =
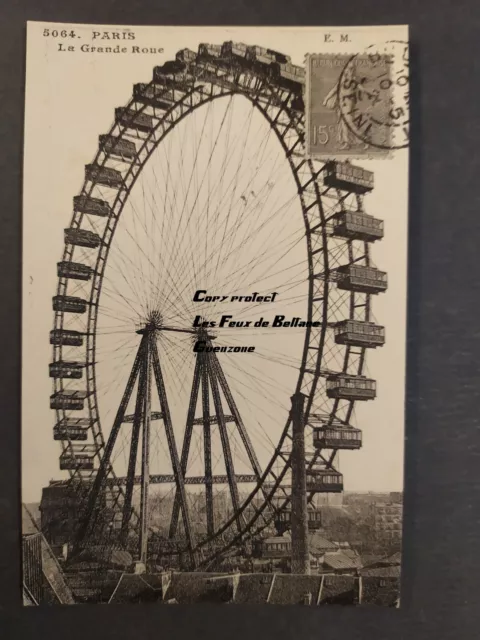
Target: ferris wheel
{"type": "Point", "coordinates": [200, 193]}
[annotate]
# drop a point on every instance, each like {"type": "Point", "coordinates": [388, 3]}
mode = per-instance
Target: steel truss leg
{"type": "Point", "coordinates": [186, 447]}
{"type": "Point", "coordinates": [145, 481]}
{"type": "Point", "coordinates": [207, 443]}
{"type": "Point", "coordinates": [247, 443]}
{"type": "Point", "coordinates": [132, 462]}
{"type": "Point", "coordinates": [177, 470]}
{"type": "Point", "coordinates": [93, 507]}
{"type": "Point", "coordinates": [209, 374]}
{"type": "Point", "coordinates": [232, 481]}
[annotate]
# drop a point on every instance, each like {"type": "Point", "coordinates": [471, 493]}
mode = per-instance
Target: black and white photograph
{"type": "Point", "coordinates": [214, 314]}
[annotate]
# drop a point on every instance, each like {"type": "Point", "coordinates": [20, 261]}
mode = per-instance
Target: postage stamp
{"type": "Point", "coordinates": [357, 105]}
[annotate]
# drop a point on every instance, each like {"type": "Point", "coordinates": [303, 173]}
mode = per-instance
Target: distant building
{"type": "Point", "coordinates": [325, 556]}
{"type": "Point", "coordinates": [387, 522]}
{"type": "Point", "coordinates": [319, 546]}
{"type": "Point", "coordinates": [329, 499]}
{"type": "Point", "coordinates": [276, 547]}
{"type": "Point", "coordinates": [43, 579]}
{"type": "Point", "coordinates": [340, 563]}
{"type": "Point", "coordinates": [388, 567]}
{"type": "Point", "coordinates": [396, 496]}
{"type": "Point", "coordinates": [61, 509]}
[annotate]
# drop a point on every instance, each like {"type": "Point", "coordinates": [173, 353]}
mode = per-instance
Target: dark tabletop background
{"type": "Point", "coordinates": [441, 569]}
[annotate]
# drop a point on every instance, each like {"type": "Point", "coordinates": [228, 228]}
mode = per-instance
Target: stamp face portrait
{"type": "Point", "coordinates": [357, 105]}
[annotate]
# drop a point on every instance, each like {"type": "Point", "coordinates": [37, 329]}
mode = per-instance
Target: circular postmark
{"type": "Point", "coordinates": [373, 95]}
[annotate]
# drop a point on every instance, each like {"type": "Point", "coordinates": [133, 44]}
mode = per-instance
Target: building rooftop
{"type": "Point", "coordinates": [337, 589]}
{"type": "Point", "coordinates": [106, 556]}
{"type": "Point", "coordinates": [396, 558]}
{"type": "Point", "coordinates": [253, 588]}
{"type": "Point", "coordinates": [277, 539]}
{"type": "Point", "coordinates": [139, 588]}
{"type": "Point", "coordinates": [392, 571]}
{"type": "Point", "coordinates": [93, 585]}
{"type": "Point", "coordinates": [319, 545]}
{"type": "Point", "coordinates": [29, 526]}
{"type": "Point", "coordinates": [28, 599]}
{"type": "Point", "coordinates": [256, 588]}
{"type": "Point", "coordinates": [379, 591]}
{"type": "Point", "coordinates": [186, 588]}
{"type": "Point", "coordinates": [340, 561]}
{"type": "Point", "coordinates": [295, 589]}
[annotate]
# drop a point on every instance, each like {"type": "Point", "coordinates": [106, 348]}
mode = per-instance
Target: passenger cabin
{"type": "Point", "coordinates": [324, 481]}
{"type": "Point", "coordinates": [156, 95]}
{"type": "Point", "coordinates": [297, 104]}
{"type": "Point", "coordinates": [172, 67]}
{"type": "Point", "coordinates": [314, 519]}
{"type": "Point", "coordinates": [162, 81]}
{"type": "Point", "coordinates": [134, 119]}
{"type": "Point", "coordinates": [74, 270]}
{"type": "Point", "coordinates": [337, 437]}
{"type": "Point", "coordinates": [356, 333]}
{"type": "Point", "coordinates": [115, 146]}
{"type": "Point", "coordinates": [357, 225]}
{"type": "Point", "coordinates": [77, 457]}
{"type": "Point", "coordinates": [69, 400]}
{"type": "Point", "coordinates": [289, 76]}
{"type": "Point", "coordinates": [348, 387]}
{"type": "Point", "coordinates": [67, 338]}
{"type": "Point", "coordinates": [279, 57]}
{"type": "Point", "coordinates": [71, 429]}
{"type": "Point", "coordinates": [92, 206]}
{"type": "Point", "coordinates": [276, 547]}
{"type": "Point", "coordinates": [348, 177]}
{"type": "Point", "coordinates": [354, 277]}
{"type": "Point", "coordinates": [186, 55]}
{"type": "Point", "coordinates": [69, 304]}
{"type": "Point", "coordinates": [260, 57]}
{"type": "Point", "coordinates": [209, 51]}
{"type": "Point", "coordinates": [234, 50]}
{"type": "Point", "coordinates": [283, 519]}
{"type": "Point", "coordinates": [82, 238]}
{"type": "Point", "coordinates": [104, 175]}
{"type": "Point", "coordinates": [62, 369]}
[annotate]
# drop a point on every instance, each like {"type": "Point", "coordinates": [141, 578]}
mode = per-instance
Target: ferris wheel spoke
{"type": "Point", "coordinates": [247, 268]}
{"type": "Point", "coordinates": [212, 228]}
{"type": "Point", "coordinates": [216, 249]}
{"type": "Point", "coordinates": [183, 211]}
{"type": "Point", "coordinates": [233, 192]}
{"type": "Point", "coordinates": [254, 425]}
{"type": "Point", "coordinates": [250, 228]}
{"type": "Point", "coordinates": [180, 262]}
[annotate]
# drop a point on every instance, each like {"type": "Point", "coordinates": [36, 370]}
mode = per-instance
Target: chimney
{"type": "Point", "coordinates": [300, 551]}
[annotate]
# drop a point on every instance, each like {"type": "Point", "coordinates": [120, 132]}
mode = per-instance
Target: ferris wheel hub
{"type": "Point", "coordinates": [154, 326]}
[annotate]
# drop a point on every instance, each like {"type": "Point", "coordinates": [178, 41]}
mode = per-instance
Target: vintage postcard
{"type": "Point", "coordinates": [214, 314]}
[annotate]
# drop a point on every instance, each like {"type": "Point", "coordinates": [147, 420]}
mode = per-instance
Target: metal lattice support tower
{"type": "Point", "coordinates": [209, 376]}
{"type": "Point", "coordinates": [146, 370]}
